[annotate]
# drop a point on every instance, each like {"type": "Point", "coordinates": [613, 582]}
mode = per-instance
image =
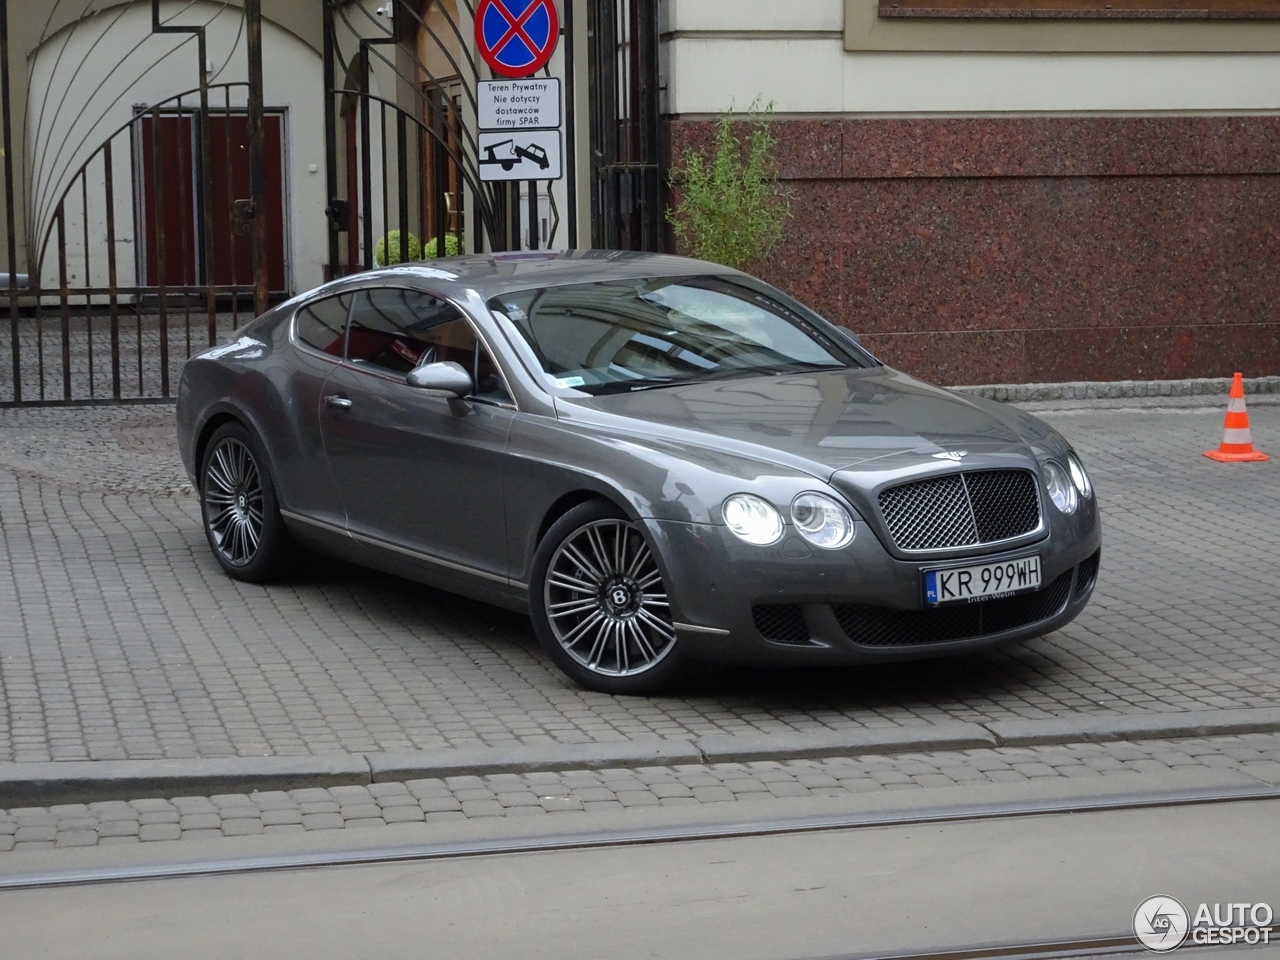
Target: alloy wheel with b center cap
{"type": "Point", "coordinates": [233, 501]}
{"type": "Point", "coordinates": [605, 600]}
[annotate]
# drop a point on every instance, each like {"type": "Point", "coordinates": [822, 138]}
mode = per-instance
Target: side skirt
{"type": "Point", "coordinates": [410, 564]}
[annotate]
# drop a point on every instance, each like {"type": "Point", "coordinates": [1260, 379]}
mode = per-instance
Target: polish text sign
{"type": "Point", "coordinates": [532, 104]}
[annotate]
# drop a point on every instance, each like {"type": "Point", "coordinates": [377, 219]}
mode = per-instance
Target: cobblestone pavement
{"type": "Point", "coordinates": [536, 794]}
{"type": "Point", "coordinates": [121, 639]}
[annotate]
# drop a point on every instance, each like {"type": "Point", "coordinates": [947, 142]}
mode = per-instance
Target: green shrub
{"type": "Point", "coordinates": [388, 250]}
{"type": "Point", "coordinates": [452, 247]}
{"type": "Point", "coordinates": [731, 208]}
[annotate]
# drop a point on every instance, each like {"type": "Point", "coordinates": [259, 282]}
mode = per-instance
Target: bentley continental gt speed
{"type": "Point", "coordinates": [661, 461]}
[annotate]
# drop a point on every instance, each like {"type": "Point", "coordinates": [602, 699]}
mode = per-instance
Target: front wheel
{"type": "Point", "coordinates": [600, 606]}
{"type": "Point", "coordinates": [238, 505]}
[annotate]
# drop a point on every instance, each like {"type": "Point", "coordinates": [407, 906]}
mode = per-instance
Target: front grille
{"type": "Point", "coordinates": [781, 622]}
{"type": "Point", "coordinates": [962, 509]}
{"type": "Point", "coordinates": [881, 627]}
{"type": "Point", "coordinates": [1005, 504]}
{"type": "Point", "coordinates": [1087, 574]}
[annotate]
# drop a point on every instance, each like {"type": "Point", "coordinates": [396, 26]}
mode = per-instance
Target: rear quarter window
{"type": "Point", "coordinates": [321, 325]}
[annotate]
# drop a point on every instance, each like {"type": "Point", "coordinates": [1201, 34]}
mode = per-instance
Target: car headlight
{"type": "Point", "coordinates": [1078, 476]}
{"type": "Point", "coordinates": [822, 521]}
{"type": "Point", "coordinates": [752, 519]}
{"type": "Point", "coordinates": [1061, 490]}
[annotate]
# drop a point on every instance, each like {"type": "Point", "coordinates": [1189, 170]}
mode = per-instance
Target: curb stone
{"type": "Point", "coordinates": [1117, 389]}
{"type": "Point", "coordinates": [48, 783]}
{"type": "Point", "coordinates": [1162, 726]}
{"type": "Point", "coordinates": [84, 781]}
{"type": "Point", "coordinates": [743, 748]}
{"type": "Point", "coordinates": [533, 758]}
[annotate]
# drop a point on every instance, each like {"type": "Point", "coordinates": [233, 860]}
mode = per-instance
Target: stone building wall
{"type": "Point", "coordinates": [1037, 249]}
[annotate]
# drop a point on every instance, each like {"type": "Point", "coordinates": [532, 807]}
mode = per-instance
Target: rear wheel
{"type": "Point", "coordinates": [238, 505]}
{"type": "Point", "coordinates": [600, 605]}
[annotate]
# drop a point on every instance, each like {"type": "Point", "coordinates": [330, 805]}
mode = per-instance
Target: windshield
{"type": "Point", "coordinates": [625, 335]}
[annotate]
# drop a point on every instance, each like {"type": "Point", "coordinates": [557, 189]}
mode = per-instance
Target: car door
{"type": "Point", "coordinates": [420, 475]}
{"type": "Point", "coordinates": [306, 483]}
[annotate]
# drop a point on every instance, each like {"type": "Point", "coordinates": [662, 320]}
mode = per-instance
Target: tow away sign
{"type": "Point", "coordinates": [520, 155]}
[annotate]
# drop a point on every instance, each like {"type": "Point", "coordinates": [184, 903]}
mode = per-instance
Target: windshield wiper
{"type": "Point", "coordinates": [655, 383]}
{"type": "Point", "coordinates": [782, 369]}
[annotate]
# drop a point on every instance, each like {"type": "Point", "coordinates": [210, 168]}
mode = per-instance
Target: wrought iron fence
{"type": "Point", "coordinates": [146, 252]}
{"type": "Point", "coordinates": [627, 177]}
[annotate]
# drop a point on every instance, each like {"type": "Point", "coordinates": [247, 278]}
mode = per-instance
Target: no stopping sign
{"type": "Point", "coordinates": [516, 38]}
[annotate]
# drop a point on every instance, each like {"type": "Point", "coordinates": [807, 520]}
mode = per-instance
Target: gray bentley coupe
{"type": "Point", "coordinates": [661, 461]}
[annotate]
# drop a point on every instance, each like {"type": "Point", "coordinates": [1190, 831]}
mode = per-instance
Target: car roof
{"type": "Point", "coordinates": [497, 273]}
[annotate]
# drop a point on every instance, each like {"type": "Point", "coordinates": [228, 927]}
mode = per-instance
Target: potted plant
{"type": "Point", "coordinates": [389, 250]}
{"type": "Point", "coordinates": [452, 247]}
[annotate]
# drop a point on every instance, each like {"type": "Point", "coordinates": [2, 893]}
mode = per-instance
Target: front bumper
{"type": "Point", "coordinates": [737, 603]}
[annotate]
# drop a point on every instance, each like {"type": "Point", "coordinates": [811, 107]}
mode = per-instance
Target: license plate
{"type": "Point", "coordinates": [982, 582]}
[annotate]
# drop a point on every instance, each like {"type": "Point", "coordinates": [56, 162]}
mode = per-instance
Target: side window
{"type": "Point", "coordinates": [397, 330]}
{"type": "Point", "coordinates": [320, 324]}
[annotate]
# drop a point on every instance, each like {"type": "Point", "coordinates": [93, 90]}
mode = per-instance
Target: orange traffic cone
{"type": "Point", "coordinates": [1237, 446]}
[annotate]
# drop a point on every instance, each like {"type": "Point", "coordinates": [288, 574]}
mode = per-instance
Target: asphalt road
{"type": "Point", "coordinates": [869, 891]}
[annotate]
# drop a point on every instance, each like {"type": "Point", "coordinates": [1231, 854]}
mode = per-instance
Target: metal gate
{"type": "Point", "coordinates": [627, 193]}
{"type": "Point", "coordinates": [169, 188]}
{"type": "Point", "coordinates": [167, 232]}
{"type": "Point", "coordinates": [403, 158]}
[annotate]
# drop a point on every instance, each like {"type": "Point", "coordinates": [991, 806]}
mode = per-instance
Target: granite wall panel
{"type": "Point", "coordinates": [1021, 250]}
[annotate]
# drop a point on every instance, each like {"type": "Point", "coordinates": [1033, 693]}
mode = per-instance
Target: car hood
{"type": "Point", "coordinates": [820, 422]}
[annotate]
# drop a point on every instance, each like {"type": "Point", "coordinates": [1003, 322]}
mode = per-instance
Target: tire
{"type": "Point", "coordinates": [239, 510]}
{"type": "Point", "coordinates": [602, 615]}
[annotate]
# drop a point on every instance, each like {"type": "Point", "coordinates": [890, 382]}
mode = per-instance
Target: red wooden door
{"type": "Point", "coordinates": [170, 212]}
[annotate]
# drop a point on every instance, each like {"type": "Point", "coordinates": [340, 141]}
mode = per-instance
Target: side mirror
{"type": "Point", "coordinates": [442, 379]}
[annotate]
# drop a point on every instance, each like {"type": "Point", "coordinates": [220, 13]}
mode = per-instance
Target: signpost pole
{"type": "Point", "coordinates": [514, 205]}
{"type": "Point", "coordinates": [533, 215]}
{"type": "Point", "coordinates": [570, 97]}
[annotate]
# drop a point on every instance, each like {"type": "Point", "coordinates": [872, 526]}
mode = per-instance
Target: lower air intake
{"type": "Point", "coordinates": [1088, 574]}
{"type": "Point", "coordinates": [781, 622]}
{"type": "Point", "coordinates": [871, 626]}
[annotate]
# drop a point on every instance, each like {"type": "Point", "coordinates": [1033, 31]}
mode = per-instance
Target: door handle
{"type": "Point", "coordinates": [337, 401]}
